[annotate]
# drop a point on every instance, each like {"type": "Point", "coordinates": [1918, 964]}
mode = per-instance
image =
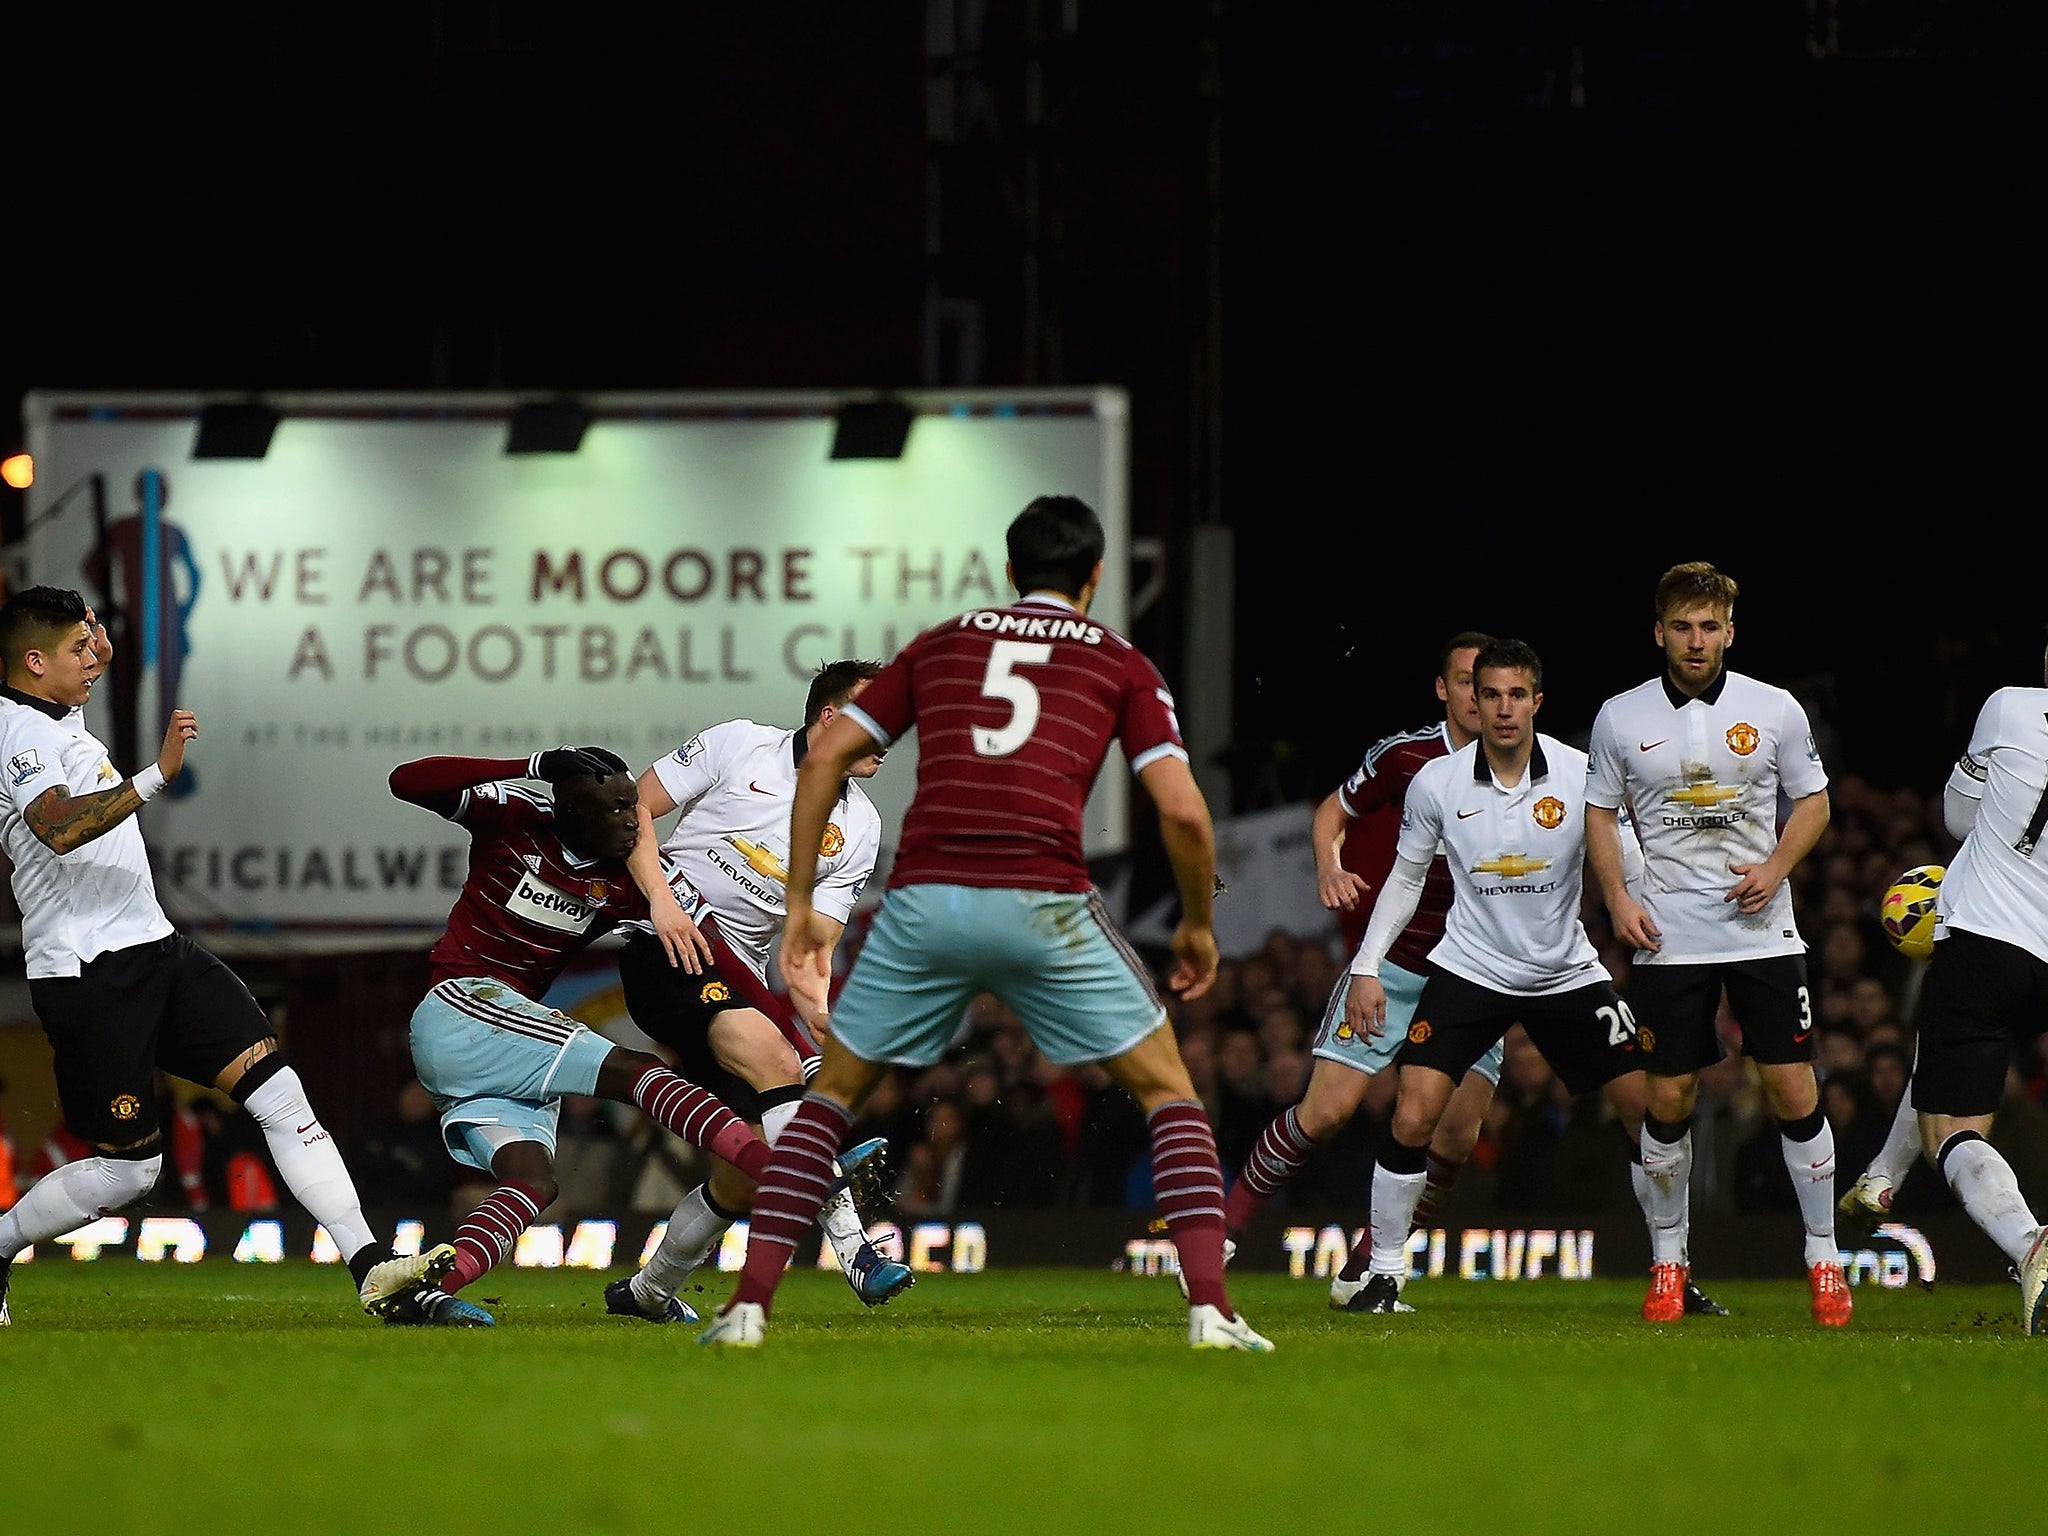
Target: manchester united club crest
{"type": "Point", "coordinates": [125, 1106]}
{"type": "Point", "coordinates": [832, 841]}
{"type": "Point", "coordinates": [1743, 738]}
{"type": "Point", "coordinates": [599, 889]}
{"type": "Point", "coordinates": [714, 992]}
{"type": "Point", "coordinates": [1549, 813]}
{"type": "Point", "coordinates": [1418, 1032]}
{"type": "Point", "coordinates": [1647, 1039]}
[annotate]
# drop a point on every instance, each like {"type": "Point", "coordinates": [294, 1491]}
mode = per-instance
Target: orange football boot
{"type": "Point", "coordinates": [1666, 1301]}
{"type": "Point", "coordinates": [1831, 1303]}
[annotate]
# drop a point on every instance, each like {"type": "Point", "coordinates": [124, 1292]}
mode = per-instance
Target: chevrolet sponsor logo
{"type": "Point", "coordinates": [1704, 796]}
{"type": "Point", "coordinates": [1510, 866]}
{"type": "Point", "coordinates": [762, 860]}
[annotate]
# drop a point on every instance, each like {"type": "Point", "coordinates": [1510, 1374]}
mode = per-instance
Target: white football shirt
{"type": "Point", "coordinates": [1997, 884]}
{"type": "Point", "coordinates": [735, 783]}
{"type": "Point", "coordinates": [1702, 779]}
{"type": "Point", "coordinates": [1518, 866]}
{"type": "Point", "coordinates": [94, 899]}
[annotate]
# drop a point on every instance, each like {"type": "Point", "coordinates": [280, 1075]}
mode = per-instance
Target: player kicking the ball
{"type": "Point", "coordinates": [1986, 989]}
{"type": "Point", "coordinates": [546, 876]}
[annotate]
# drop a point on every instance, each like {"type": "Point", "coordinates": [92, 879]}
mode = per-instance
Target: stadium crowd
{"type": "Point", "coordinates": [995, 1125]}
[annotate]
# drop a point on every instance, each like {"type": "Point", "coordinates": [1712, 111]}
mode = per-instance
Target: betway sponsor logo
{"type": "Point", "coordinates": [538, 902]}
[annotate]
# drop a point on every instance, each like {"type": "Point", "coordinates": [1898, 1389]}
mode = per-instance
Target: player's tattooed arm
{"type": "Point", "coordinates": [63, 821]}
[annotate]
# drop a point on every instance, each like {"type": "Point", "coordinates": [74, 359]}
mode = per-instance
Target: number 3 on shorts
{"type": "Point", "coordinates": [999, 682]}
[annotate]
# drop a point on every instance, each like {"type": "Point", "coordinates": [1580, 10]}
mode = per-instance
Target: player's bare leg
{"type": "Point", "coordinates": [1983, 1181]}
{"type": "Point", "coordinates": [1451, 1144]}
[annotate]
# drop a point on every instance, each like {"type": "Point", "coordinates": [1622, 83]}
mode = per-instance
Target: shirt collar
{"type": "Point", "coordinates": [1054, 598]}
{"type": "Point", "coordinates": [1712, 694]}
{"type": "Point", "coordinates": [1539, 766]}
{"type": "Point", "coordinates": [54, 710]}
{"type": "Point", "coordinates": [799, 749]}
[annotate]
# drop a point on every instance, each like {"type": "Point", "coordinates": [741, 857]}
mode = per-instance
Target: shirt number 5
{"type": "Point", "coordinates": [999, 682]}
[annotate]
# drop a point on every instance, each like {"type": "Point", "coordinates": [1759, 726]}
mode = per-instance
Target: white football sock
{"type": "Point", "coordinates": [1394, 1198]}
{"type": "Point", "coordinates": [66, 1198]}
{"type": "Point", "coordinates": [694, 1232]}
{"type": "Point", "coordinates": [1901, 1144]}
{"type": "Point", "coordinates": [1812, 1166]}
{"type": "Point", "coordinates": [842, 1227]}
{"type": "Point", "coordinates": [1639, 1181]}
{"type": "Point", "coordinates": [1983, 1181]}
{"type": "Point", "coordinates": [308, 1161]}
{"type": "Point", "coordinates": [776, 1118]}
{"type": "Point", "coordinates": [1667, 1196]}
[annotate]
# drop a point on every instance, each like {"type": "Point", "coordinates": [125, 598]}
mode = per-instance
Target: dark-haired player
{"type": "Point", "coordinates": [1355, 832]}
{"type": "Point", "coordinates": [702, 991]}
{"type": "Point", "coordinates": [1015, 709]}
{"type": "Point", "coordinates": [547, 874]}
{"type": "Point", "coordinates": [118, 990]}
{"type": "Point", "coordinates": [1509, 812]}
{"type": "Point", "coordinates": [1698, 757]}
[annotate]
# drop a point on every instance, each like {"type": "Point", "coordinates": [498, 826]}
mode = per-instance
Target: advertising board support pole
{"type": "Point", "coordinates": [149, 623]}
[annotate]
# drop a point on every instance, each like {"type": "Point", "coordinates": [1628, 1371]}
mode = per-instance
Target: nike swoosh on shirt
{"type": "Point", "coordinates": [1463, 814]}
{"type": "Point", "coordinates": [757, 789]}
{"type": "Point", "coordinates": [1650, 746]}
{"type": "Point", "coordinates": [305, 1128]}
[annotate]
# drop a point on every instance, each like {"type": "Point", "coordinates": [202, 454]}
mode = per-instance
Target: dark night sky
{"type": "Point", "coordinates": [1482, 358]}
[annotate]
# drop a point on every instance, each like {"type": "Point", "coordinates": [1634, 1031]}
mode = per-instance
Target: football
{"type": "Point", "coordinates": [1908, 911]}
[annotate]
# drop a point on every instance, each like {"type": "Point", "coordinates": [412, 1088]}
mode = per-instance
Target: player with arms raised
{"type": "Point", "coordinates": [1699, 756]}
{"type": "Point", "coordinates": [1015, 709]}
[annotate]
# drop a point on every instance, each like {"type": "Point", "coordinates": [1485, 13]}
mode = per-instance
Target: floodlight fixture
{"type": "Point", "coordinates": [871, 429]}
{"type": "Point", "coordinates": [548, 426]}
{"type": "Point", "coordinates": [234, 429]}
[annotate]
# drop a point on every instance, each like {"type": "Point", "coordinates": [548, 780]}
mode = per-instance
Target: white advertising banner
{"type": "Point", "coordinates": [386, 582]}
{"type": "Point", "coordinates": [1267, 863]}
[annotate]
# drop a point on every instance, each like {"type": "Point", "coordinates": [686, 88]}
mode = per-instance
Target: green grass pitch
{"type": "Point", "coordinates": [216, 1396]}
